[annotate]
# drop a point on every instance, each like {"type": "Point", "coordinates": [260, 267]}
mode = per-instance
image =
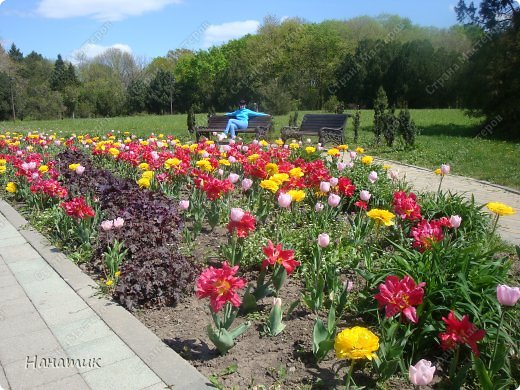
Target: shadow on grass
{"type": "Point", "coordinates": [451, 130]}
{"type": "Point", "coordinates": [483, 131]}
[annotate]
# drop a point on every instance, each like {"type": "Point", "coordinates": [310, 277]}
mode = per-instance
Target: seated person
{"type": "Point", "coordinates": [242, 117]}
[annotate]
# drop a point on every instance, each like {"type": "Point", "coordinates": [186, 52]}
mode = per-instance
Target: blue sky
{"type": "Point", "coordinates": [149, 28]}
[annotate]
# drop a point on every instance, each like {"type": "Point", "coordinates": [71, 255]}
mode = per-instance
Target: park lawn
{"type": "Point", "coordinates": [446, 136]}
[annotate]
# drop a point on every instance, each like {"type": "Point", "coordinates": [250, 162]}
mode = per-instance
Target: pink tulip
{"type": "Point", "coordinates": [80, 170]}
{"type": "Point", "coordinates": [350, 164]}
{"type": "Point", "coordinates": [119, 222]}
{"type": "Point", "coordinates": [372, 177]}
{"type": "Point", "coordinates": [246, 184]}
{"type": "Point", "coordinates": [319, 207]}
{"type": "Point", "coordinates": [341, 166]}
{"type": "Point", "coordinates": [245, 148]}
{"type": "Point", "coordinates": [232, 159]}
{"type": "Point", "coordinates": [422, 373]}
{"type": "Point", "coordinates": [226, 148]}
{"type": "Point", "coordinates": [394, 175]}
{"type": "Point", "coordinates": [455, 221]}
{"type": "Point", "coordinates": [205, 155]}
{"type": "Point", "coordinates": [333, 181]}
{"type": "Point", "coordinates": [333, 200]}
{"type": "Point", "coordinates": [35, 175]}
{"type": "Point", "coordinates": [232, 142]}
{"type": "Point", "coordinates": [233, 177]}
{"type": "Point", "coordinates": [220, 172]}
{"type": "Point", "coordinates": [508, 296]}
{"type": "Point", "coordinates": [155, 155]}
{"type": "Point", "coordinates": [365, 195]}
{"type": "Point", "coordinates": [162, 177]}
{"type": "Point", "coordinates": [107, 225]}
{"type": "Point", "coordinates": [445, 169]}
{"type": "Point", "coordinates": [284, 200]}
{"type": "Point", "coordinates": [353, 155]}
{"type": "Point", "coordinates": [236, 214]}
{"type": "Point", "coordinates": [323, 240]}
{"type": "Point", "coordinates": [255, 142]}
{"type": "Point", "coordinates": [325, 186]}
{"type": "Point", "coordinates": [184, 204]}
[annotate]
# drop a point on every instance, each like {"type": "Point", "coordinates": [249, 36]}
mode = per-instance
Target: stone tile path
{"type": "Point", "coordinates": [425, 180]}
{"type": "Point", "coordinates": [50, 338]}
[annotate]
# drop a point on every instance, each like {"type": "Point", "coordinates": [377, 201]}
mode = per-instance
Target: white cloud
{"type": "Point", "coordinates": [91, 50]}
{"type": "Point", "coordinates": [1, 1]}
{"type": "Point", "coordinates": [104, 10]}
{"type": "Point", "coordinates": [219, 33]}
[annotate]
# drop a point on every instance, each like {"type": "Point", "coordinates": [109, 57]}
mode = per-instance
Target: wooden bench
{"type": "Point", "coordinates": [258, 125]}
{"type": "Point", "coordinates": [328, 127]}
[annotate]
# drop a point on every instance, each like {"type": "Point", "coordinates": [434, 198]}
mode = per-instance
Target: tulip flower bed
{"type": "Point", "coordinates": [280, 264]}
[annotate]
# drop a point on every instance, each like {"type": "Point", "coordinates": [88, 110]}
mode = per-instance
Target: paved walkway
{"type": "Point", "coordinates": [45, 324]}
{"type": "Point", "coordinates": [425, 180]}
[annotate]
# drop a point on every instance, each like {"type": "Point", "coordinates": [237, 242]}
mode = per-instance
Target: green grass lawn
{"type": "Point", "coordinates": [446, 136]}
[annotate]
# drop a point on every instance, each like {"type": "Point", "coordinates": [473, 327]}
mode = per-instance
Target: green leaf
{"type": "Point", "coordinates": [500, 358]}
{"type": "Point", "coordinates": [483, 375]}
{"type": "Point", "coordinates": [221, 338]}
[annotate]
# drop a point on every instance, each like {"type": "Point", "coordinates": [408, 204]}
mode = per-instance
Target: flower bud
{"type": "Point", "coordinates": [323, 240]}
{"type": "Point", "coordinates": [422, 373]}
{"type": "Point", "coordinates": [119, 222]}
{"type": "Point", "coordinates": [284, 200]}
{"type": "Point", "coordinates": [236, 214]}
{"type": "Point", "coordinates": [233, 177]}
{"type": "Point", "coordinates": [455, 221]}
{"type": "Point", "coordinates": [364, 195]}
{"type": "Point", "coordinates": [325, 186]}
{"type": "Point", "coordinates": [508, 296]}
{"type": "Point", "coordinates": [333, 200]}
{"type": "Point", "coordinates": [107, 225]}
{"type": "Point", "coordinates": [246, 184]}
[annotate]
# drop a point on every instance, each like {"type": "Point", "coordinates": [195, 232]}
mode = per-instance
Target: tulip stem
{"type": "Point", "coordinates": [440, 184]}
{"type": "Point", "coordinates": [454, 363]}
{"type": "Point", "coordinates": [496, 338]}
{"type": "Point", "coordinates": [495, 225]}
{"type": "Point", "coordinates": [349, 375]}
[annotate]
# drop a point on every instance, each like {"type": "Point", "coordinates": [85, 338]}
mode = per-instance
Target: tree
{"type": "Point", "coordinates": [59, 75]}
{"type": "Point", "coordinates": [15, 54]}
{"type": "Point", "coordinates": [493, 15]}
{"type": "Point", "coordinates": [136, 95]}
{"type": "Point", "coordinates": [380, 106]}
{"type": "Point", "coordinates": [491, 81]}
{"type": "Point", "coordinates": [161, 92]}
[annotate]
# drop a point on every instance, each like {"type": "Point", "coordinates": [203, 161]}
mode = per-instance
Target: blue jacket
{"type": "Point", "coordinates": [243, 114]}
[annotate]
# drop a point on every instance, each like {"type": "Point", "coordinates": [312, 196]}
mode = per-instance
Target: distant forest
{"type": "Point", "coordinates": [289, 65]}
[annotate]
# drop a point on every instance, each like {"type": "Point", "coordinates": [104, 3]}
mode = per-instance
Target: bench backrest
{"type": "Point", "coordinates": [314, 122]}
{"type": "Point", "coordinates": [220, 121]}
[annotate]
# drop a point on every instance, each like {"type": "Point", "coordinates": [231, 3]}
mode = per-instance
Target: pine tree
{"type": "Point", "coordinates": [59, 75]}
{"type": "Point", "coordinates": [380, 106]}
{"type": "Point", "coordinates": [15, 54]}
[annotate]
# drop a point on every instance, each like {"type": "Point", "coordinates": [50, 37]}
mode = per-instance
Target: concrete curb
{"type": "Point", "coordinates": [166, 363]}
